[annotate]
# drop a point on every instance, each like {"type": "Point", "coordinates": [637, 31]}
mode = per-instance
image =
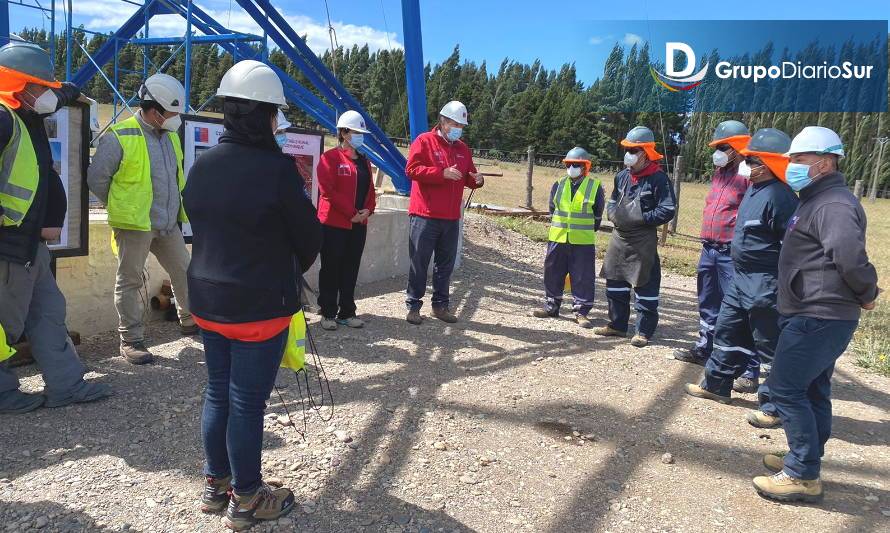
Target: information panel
{"type": "Point", "coordinates": [68, 130]}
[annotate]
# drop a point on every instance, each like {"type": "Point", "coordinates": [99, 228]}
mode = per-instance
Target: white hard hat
{"type": "Point", "coordinates": [353, 121]}
{"type": "Point", "coordinates": [456, 111]}
{"type": "Point", "coordinates": [282, 121]}
{"type": "Point", "coordinates": [252, 80]}
{"type": "Point", "coordinates": [166, 91]}
{"type": "Point", "coordinates": [816, 139]}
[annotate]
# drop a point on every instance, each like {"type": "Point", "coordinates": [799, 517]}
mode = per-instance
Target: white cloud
{"type": "Point", "coordinates": [108, 15]}
{"type": "Point", "coordinates": [631, 39]}
{"type": "Point", "coordinates": [600, 39]}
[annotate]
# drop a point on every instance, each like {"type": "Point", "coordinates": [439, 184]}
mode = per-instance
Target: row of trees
{"type": "Point", "coordinates": [512, 106]}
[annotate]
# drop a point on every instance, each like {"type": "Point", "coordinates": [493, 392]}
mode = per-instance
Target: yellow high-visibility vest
{"type": "Point", "coordinates": [295, 349]}
{"type": "Point", "coordinates": [6, 350]}
{"type": "Point", "coordinates": [19, 173]}
{"type": "Point", "coordinates": [130, 195]}
{"type": "Point", "coordinates": [573, 220]}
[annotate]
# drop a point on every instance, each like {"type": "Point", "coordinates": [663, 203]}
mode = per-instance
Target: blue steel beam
{"type": "Point", "coordinates": [198, 39]}
{"type": "Point", "coordinates": [4, 22]}
{"type": "Point", "coordinates": [414, 71]}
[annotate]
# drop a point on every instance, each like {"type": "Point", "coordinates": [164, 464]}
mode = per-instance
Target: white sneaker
{"type": "Point", "coordinates": [353, 322]}
{"type": "Point", "coordinates": [328, 324]}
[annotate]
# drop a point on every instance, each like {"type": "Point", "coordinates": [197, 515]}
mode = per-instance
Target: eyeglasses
{"type": "Point", "coordinates": [634, 150]}
{"type": "Point", "coordinates": [574, 165]}
{"type": "Point", "coordinates": [753, 162]}
{"type": "Point", "coordinates": [724, 147]}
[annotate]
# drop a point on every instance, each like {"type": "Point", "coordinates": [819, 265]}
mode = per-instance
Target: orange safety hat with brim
{"type": "Point", "coordinates": [13, 81]}
{"type": "Point", "coordinates": [578, 155]}
{"type": "Point", "coordinates": [649, 148]}
{"type": "Point", "coordinates": [776, 163]}
{"type": "Point", "coordinates": [770, 146]}
{"type": "Point", "coordinates": [738, 142]}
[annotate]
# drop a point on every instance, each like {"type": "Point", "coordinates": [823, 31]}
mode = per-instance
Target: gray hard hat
{"type": "Point", "coordinates": [577, 154]}
{"type": "Point", "coordinates": [729, 128]}
{"type": "Point", "coordinates": [640, 134]}
{"type": "Point", "coordinates": [27, 58]}
{"type": "Point", "coordinates": [769, 140]}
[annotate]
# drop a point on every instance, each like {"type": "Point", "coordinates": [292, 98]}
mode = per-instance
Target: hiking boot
{"type": "Point", "coordinates": [86, 392]}
{"type": "Point", "coordinates": [700, 392]}
{"type": "Point", "coordinates": [351, 322]}
{"type": "Point", "coordinates": [691, 355]}
{"type": "Point", "coordinates": [216, 494]}
{"type": "Point", "coordinates": [784, 488]}
{"type": "Point", "coordinates": [136, 353]}
{"type": "Point", "coordinates": [17, 402]}
{"type": "Point", "coordinates": [583, 321]}
{"type": "Point", "coordinates": [759, 419]}
{"type": "Point", "coordinates": [774, 462]}
{"type": "Point", "coordinates": [639, 341]}
{"type": "Point", "coordinates": [189, 330]}
{"type": "Point", "coordinates": [328, 324]}
{"type": "Point", "coordinates": [444, 314]}
{"type": "Point", "coordinates": [607, 331]}
{"type": "Point", "coordinates": [543, 313]}
{"type": "Point", "coordinates": [414, 317]}
{"type": "Point", "coordinates": [746, 385]}
{"type": "Point", "coordinates": [266, 503]}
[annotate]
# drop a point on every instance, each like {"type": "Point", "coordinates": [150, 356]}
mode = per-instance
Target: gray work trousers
{"type": "Point", "coordinates": [32, 304]}
{"type": "Point", "coordinates": [133, 248]}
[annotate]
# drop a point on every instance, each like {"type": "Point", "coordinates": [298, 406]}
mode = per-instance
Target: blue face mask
{"type": "Point", "coordinates": [798, 176]}
{"type": "Point", "coordinates": [281, 139]}
{"type": "Point", "coordinates": [357, 140]}
{"type": "Point", "coordinates": [454, 134]}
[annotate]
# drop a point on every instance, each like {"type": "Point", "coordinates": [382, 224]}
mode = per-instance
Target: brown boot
{"type": "Point", "coordinates": [216, 494]}
{"type": "Point", "coordinates": [414, 317]}
{"type": "Point", "coordinates": [784, 488]}
{"type": "Point", "coordinates": [266, 503]}
{"type": "Point", "coordinates": [544, 313]}
{"type": "Point", "coordinates": [136, 353]}
{"type": "Point", "coordinates": [583, 321]}
{"type": "Point", "coordinates": [774, 462]}
{"type": "Point", "coordinates": [759, 419]}
{"type": "Point", "coordinates": [444, 314]}
{"type": "Point", "coordinates": [607, 331]}
{"type": "Point", "coordinates": [700, 392]}
{"type": "Point", "coordinates": [639, 341]}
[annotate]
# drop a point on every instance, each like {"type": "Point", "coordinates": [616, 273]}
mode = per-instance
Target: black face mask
{"type": "Point", "coordinates": [249, 123]}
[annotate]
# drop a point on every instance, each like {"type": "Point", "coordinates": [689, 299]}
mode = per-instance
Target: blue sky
{"type": "Point", "coordinates": [580, 32]}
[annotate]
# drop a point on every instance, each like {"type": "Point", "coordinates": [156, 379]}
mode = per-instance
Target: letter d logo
{"type": "Point", "coordinates": [679, 80]}
{"type": "Point", "coordinates": [669, 49]}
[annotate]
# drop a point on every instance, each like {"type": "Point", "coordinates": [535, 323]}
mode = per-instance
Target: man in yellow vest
{"type": "Point", "coordinates": [137, 173]}
{"type": "Point", "coordinates": [32, 211]}
{"type": "Point", "coordinates": [576, 210]}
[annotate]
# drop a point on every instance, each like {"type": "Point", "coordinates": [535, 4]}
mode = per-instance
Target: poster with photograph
{"type": "Point", "coordinates": [305, 148]}
{"type": "Point", "coordinates": [68, 133]}
{"type": "Point", "coordinates": [198, 135]}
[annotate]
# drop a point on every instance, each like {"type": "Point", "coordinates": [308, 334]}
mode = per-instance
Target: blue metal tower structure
{"type": "Point", "coordinates": [335, 99]}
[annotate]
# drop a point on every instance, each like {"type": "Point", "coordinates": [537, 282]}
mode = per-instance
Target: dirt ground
{"type": "Point", "coordinates": [500, 423]}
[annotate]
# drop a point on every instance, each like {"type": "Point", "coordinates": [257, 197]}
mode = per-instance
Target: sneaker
{"type": "Point", "coordinates": [583, 321]}
{"type": "Point", "coordinates": [700, 392]}
{"type": "Point", "coordinates": [639, 341]}
{"type": "Point", "coordinates": [759, 419]}
{"type": "Point", "coordinates": [774, 462]}
{"type": "Point", "coordinates": [136, 353]}
{"type": "Point", "coordinates": [328, 324]}
{"type": "Point", "coordinates": [352, 322]}
{"type": "Point", "coordinates": [216, 494]}
{"type": "Point", "coordinates": [607, 331]}
{"type": "Point", "coordinates": [543, 313]}
{"type": "Point", "coordinates": [266, 503]}
{"type": "Point", "coordinates": [445, 315]}
{"type": "Point", "coordinates": [746, 385]}
{"type": "Point", "coordinates": [86, 392]}
{"type": "Point", "coordinates": [414, 317]}
{"type": "Point", "coordinates": [784, 488]}
{"type": "Point", "coordinates": [189, 330]}
{"type": "Point", "coordinates": [17, 402]}
{"type": "Point", "coordinates": [691, 355]}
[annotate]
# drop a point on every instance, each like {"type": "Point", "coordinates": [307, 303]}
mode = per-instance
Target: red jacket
{"type": "Point", "coordinates": [432, 196]}
{"type": "Point", "coordinates": [337, 183]}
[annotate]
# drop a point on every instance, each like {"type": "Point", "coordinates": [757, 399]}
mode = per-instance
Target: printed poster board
{"type": "Point", "coordinates": [68, 131]}
{"type": "Point", "coordinates": [200, 133]}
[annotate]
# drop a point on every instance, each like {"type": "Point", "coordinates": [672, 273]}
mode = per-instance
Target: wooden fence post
{"type": "Point", "coordinates": [678, 169]}
{"type": "Point", "coordinates": [857, 190]}
{"type": "Point", "coordinates": [528, 177]}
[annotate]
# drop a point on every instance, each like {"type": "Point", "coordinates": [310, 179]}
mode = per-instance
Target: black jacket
{"type": "Point", "coordinates": [824, 271]}
{"type": "Point", "coordinates": [255, 233]}
{"type": "Point", "coordinates": [19, 244]}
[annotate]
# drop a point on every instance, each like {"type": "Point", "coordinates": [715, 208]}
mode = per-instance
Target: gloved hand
{"type": "Point", "coordinates": [68, 93]}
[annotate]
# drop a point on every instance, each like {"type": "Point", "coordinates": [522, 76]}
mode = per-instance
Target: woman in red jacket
{"type": "Point", "coordinates": [346, 199]}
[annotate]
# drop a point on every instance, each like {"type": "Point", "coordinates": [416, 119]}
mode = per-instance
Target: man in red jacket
{"type": "Point", "coordinates": [441, 166]}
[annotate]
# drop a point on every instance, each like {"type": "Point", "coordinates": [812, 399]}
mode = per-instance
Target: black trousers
{"type": "Point", "coordinates": [341, 257]}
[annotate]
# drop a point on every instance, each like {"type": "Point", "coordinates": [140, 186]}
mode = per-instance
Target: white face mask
{"type": "Point", "coordinates": [630, 159]}
{"type": "Point", "coordinates": [46, 103]}
{"type": "Point", "coordinates": [720, 158]}
{"type": "Point", "coordinates": [574, 172]}
{"type": "Point", "coordinates": [172, 123]}
{"type": "Point", "coordinates": [744, 169]}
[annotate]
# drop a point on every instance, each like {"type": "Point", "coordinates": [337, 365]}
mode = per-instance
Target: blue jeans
{"type": "Point", "coordinates": [742, 337]}
{"type": "Point", "coordinates": [715, 272]}
{"type": "Point", "coordinates": [240, 377]}
{"type": "Point", "coordinates": [426, 237]}
{"type": "Point", "coordinates": [800, 387]}
{"type": "Point", "coordinates": [645, 303]}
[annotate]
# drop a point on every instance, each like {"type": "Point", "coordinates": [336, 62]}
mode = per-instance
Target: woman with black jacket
{"type": "Point", "coordinates": [255, 233]}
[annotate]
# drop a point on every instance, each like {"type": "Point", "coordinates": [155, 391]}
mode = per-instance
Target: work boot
{"type": "Point", "coordinates": [692, 355]}
{"type": "Point", "coordinates": [746, 385]}
{"type": "Point", "coordinates": [639, 341]}
{"type": "Point", "coordinates": [759, 419]}
{"type": "Point", "coordinates": [414, 317]}
{"type": "Point", "coordinates": [87, 391]}
{"type": "Point", "coordinates": [17, 402]}
{"type": "Point", "coordinates": [444, 314]}
{"type": "Point", "coordinates": [784, 488]}
{"type": "Point", "coordinates": [266, 503]}
{"type": "Point", "coordinates": [583, 321]}
{"type": "Point", "coordinates": [328, 324]}
{"type": "Point", "coordinates": [189, 330]}
{"type": "Point", "coordinates": [544, 313]}
{"type": "Point", "coordinates": [216, 494]}
{"type": "Point", "coordinates": [607, 331]}
{"type": "Point", "coordinates": [700, 392]}
{"type": "Point", "coordinates": [136, 353]}
{"type": "Point", "coordinates": [351, 322]}
{"type": "Point", "coordinates": [774, 462]}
